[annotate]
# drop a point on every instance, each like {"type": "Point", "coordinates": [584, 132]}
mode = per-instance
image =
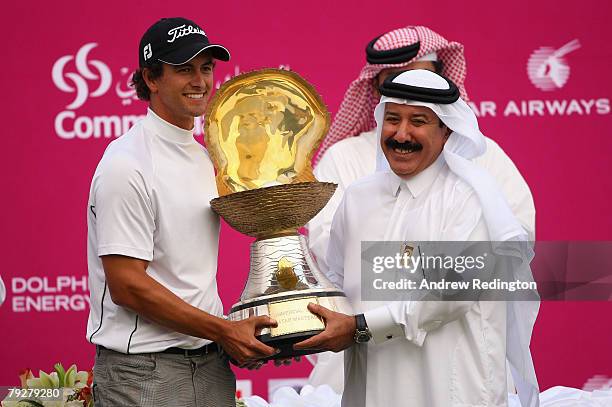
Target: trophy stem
{"type": "Point", "coordinates": [283, 279]}
{"type": "Point", "coordinates": [280, 233]}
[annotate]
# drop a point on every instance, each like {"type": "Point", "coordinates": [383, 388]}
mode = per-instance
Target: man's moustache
{"type": "Point", "coordinates": [406, 145]}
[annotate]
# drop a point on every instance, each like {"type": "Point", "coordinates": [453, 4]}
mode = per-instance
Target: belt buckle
{"type": "Point", "coordinates": [196, 352]}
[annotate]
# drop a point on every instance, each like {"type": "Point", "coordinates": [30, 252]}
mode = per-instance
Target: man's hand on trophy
{"type": "Point", "coordinates": [338, 334]}
{"type": "Point", "coordinates": [286, 361]}
{"type": "Point", "coordinates": [239, 342]}
{"type": "Point", "coordinates": [256, 365]}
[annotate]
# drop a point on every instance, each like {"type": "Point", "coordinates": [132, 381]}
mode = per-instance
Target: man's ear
{"type": "Point", "coordinates": [149, 80]}
{"type": "Point", "coordinates": [447, 132]}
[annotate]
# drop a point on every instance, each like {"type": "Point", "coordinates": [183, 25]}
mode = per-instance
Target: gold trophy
{"type": "Point", "coordinates": [262, 129]}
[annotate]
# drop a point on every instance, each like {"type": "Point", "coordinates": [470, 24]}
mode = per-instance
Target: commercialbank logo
{"type": "Point", "coordinates": [547, 67]}
{"type": "Point", "coordinates": [87, 77]}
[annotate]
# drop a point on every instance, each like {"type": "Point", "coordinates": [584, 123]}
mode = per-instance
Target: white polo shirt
{"type": "Point", "coordinates": [149, 199]}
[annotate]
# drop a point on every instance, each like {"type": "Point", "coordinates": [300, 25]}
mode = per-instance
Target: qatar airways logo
{"type": "Point", "coordinates": [547, 67]}
{"type": "Point", "coordinates": [548, 70]}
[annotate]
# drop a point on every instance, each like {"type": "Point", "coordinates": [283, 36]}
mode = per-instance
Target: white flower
{"type": "Point", "coordinates": [321, 396]}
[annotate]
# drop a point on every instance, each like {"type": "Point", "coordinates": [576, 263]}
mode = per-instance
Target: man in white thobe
{"type": "Point", "coordinates": [348, 153]}
{"type": "Point", "coordinates": [426, 188]}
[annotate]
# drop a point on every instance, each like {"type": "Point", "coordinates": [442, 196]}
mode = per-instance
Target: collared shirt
{"type": "Point", "coordinates": [423, 353]}
{"type": "Point", "coordinates": [415, 185]}
{"type": "Point", "coordinates": [149, 199]}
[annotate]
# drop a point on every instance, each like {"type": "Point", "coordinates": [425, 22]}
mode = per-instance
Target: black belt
{"type": "Point", "coordinates": [204, 350]}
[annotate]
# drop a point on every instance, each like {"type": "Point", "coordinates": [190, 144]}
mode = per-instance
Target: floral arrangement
{"type": "Point", "coordinates": [308, 396]}
{"type": "Point", "coordinates": [60, 388]}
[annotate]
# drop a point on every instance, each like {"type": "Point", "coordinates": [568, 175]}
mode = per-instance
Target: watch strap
{"type": "Point", "coordinates": [361, 322]}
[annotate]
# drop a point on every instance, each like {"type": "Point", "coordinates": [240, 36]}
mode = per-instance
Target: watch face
{"type": "Point", "coordinates": [362, 337]}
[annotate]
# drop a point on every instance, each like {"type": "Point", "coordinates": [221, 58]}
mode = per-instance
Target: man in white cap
{"type": "Point", "coordinates": [156, 317]}
{"type": "Point", "coordinates": [426, 188]}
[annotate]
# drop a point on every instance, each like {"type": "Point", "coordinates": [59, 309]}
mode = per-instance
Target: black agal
{"type": "Point", "coordinates": [410, 92]}
{"type": "Point", "coordinates": [392, 56]}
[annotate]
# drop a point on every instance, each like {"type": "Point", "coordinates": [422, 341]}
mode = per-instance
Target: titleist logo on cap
{"type": "Point", "coordinates": [183, 30]}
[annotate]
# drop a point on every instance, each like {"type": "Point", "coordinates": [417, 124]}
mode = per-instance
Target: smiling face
{"type": "Point", "coordinates": [412, 138]}
{"type": "Point", "coordinates": [182, 91]}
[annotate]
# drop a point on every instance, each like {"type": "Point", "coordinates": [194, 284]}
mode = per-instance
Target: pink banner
{"type": "Point", "coordinates": [67, 96]}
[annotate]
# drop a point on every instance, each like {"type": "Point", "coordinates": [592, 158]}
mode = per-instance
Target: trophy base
{"type": "Point", "coordinates": [295, 322]}
{"type": "Point", "coordinates": [285, 344]}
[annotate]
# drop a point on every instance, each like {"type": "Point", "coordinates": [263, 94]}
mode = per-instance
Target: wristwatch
{"type": "Point", "coordinates": [362, 333]}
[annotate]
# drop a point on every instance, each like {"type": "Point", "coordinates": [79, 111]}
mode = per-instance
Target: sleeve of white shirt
{"type": "Point", "coordinates": [413, 319]}
{"type": "Point", "coordinates": [124, 217]}
{"type": "Point", "coordinates": [319, 227]}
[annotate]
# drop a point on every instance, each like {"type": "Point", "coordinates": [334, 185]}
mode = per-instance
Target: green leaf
{"type": "Point", "coordinates": [70, 376]}
{"type": "Point", "coordinates": [81, 378]}
{"type": "Point", "coordinates": [61, 373]}
{"type": "Point", "coordinates": [33, 383]}
{"type": "Point", "coordinates": [46, 381]}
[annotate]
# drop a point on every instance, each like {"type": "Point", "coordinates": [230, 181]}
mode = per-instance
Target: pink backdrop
{"type": "Point", "coordinates": [47, 167]}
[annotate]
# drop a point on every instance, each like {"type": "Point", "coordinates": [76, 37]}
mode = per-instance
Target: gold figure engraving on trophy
{"type": "Point", "coordinates": [285, 275]}
{"type": "Point", "coordinates": [264, 130]}
{"type": "Point", "coordinates": [293, 316]}
{"type": "Point", "coordinates": [407, 249]}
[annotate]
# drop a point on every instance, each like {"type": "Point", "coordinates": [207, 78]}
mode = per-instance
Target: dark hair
{"type": "Point", "coordinates": [142, 90]}
{"type": "Point", "coordinates": [438, 66]}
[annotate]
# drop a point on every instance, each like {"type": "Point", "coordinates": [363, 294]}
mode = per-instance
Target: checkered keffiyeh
{"type": "Point", "coordinates": [356, 113]}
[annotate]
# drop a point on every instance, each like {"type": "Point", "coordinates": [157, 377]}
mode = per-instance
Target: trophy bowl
{"type": "Point", "coordinates": [262, 129]}
{"type": "Point", "coordinates": [272, 210]}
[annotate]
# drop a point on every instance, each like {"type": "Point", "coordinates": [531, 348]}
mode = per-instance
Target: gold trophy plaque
{"type": "Point", "coordinates": [262, 129]}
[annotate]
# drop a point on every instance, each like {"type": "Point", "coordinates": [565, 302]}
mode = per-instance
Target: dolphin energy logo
{"type": "Point", "coordinates": [547, 67]}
